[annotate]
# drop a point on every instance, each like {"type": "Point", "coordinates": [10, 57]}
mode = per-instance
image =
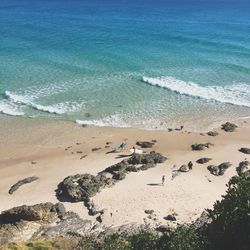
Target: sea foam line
{"type": "Point", "coordinates": [109, 121]}
{"type": "Point", "coordinates": [237, 94]}
{"type": "Point", "coordinates": [58, 108]}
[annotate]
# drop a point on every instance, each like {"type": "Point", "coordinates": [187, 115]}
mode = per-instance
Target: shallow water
{"type": "Point", "coordinates": [133, 63]}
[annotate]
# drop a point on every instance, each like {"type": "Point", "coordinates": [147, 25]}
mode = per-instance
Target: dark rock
{"type": "Point", "coordinates": [152, 157]}
{"type": "Point", "coordinates": [145, 144]}
{"type": "Point", "coordinates": [184, 168]}
{"type": "Point", "coordinates": [229, 127]}
{"type": "Point", "coordinates": [149, 211]}
{"type": "Point", "coordinates": [170, 217]}
{"type": "Point", "coordinates": [81, 187]}
{"type": "Point", "coordinates": [120, 166]}
{"type": "Point", "coordinates": [46, 212]}
{"type": "Point", "coordinates": [22, 182]}
{"type": "Point", "coordinates": [95, 149]}
{"type": "Point", "coordinates": [245, 150]}
{"type": "Point", "coordinates": [119, 176]}
{"type": "Point", "coordinates": [163, 229]}
{"type": "Point", "coordinates": [200, 146]}
{"type": "Point", "coordinates": [203, 160]}
{"type": "Point", "coordinates": [220, 169]}
{"type": "Point", "coordinates": [212, 133]}
{"type": "Point", "coordinates": [243, 166]}
{"type": "Point", "coordinates": [147, 166]}
{"type": "Point", "coordinates": [132, 168]}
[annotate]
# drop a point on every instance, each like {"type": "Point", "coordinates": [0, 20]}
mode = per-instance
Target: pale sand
{"type": "Point", "coordinates": [25, 140]}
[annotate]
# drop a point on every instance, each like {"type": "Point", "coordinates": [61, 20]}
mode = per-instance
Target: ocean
{"type": "Point", "coordinates": [147, 64]}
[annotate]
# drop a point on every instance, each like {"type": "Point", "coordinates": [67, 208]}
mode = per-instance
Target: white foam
{"type": "Point", "coordinates": [58, 108]}
{"type": "Point", "coordinates": [110, 121]}
{"type": "Point", "coordinates": [237, 94]}
{"type": "Point", "coordinates": [20, 99]}
{"type": "Point", "coordinates": [9, 109]}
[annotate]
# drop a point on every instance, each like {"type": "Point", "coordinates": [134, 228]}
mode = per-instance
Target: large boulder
{"type": "Point", "coordinates": [245, 150]}
{"type": "Point", "coordinates": [220, 169]}
{"type": "Point", "coordinates": [229, 127]}
{"type": "Point", "coordinates": [46, 212]}
{"type": "Point", "coordinates": [81, 187]}
{"type": "Point", "coordinates": [45, 220]}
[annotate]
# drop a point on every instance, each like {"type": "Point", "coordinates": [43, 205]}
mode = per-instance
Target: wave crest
{"type": "Point", "coordinates": [237, 94]}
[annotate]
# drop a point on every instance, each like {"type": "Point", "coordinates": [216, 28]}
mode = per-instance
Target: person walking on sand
{"type": "Point", "coordinates": [163, 180]}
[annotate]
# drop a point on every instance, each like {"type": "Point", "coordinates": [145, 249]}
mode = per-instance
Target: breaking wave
{"type": "Point", "coordinates": [237, 94]}
{"type": "Point", "coordinates": [110, 121]}
{"type": "Point", "coordinates": [58, 108]}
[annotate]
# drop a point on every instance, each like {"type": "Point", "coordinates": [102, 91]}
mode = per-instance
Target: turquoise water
{"type": "Point", "coordinates": [133, 63]}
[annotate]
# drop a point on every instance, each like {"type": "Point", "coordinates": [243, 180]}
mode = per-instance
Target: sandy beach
{"type": "Point", "coordinates": [53, 150]}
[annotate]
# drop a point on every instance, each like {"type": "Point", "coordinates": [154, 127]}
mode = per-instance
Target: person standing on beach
{"type": "Point", "coordinates": [190, 165]}
{"type": "Point", "coordinates": [163, 180]}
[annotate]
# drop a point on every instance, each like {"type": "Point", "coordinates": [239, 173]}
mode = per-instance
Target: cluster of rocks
{"type": "Point", "coordinates": [229, 127]}
{"type": "Point", "coordinates": [220, 169]}
{"type": "Point", "coordinates": [82, 187]}
{"type": "Point", "coordinates": [44, 220]}
{"type": "Point", "coordinates": [22, 182]}
{"type": "Point", "coordinates": [201, 146]}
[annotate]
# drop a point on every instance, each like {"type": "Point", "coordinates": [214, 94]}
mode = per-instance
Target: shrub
{"type": "Point", "coordinates": [230, 228]}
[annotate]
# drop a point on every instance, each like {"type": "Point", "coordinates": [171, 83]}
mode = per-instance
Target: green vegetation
{"type": "Point", "coordinates": [230, 229]}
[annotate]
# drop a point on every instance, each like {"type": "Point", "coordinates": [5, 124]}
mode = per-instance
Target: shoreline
{"type": "Point", "coordinates": [44, 142]}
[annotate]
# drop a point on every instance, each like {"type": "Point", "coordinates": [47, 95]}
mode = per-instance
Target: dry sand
{"type": "Point", "coordinates": [52, 146]}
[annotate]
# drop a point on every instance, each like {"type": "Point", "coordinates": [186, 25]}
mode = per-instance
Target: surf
{"type": "Point", "coordinates": [236, 94]}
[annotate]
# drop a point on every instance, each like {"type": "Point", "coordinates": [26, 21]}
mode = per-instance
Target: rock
{"type": "Point", "coordinates": [46, 212]}
{"type": "Point", "coordinates": [202, 221]}
{"type": "Point", "coordinates": [84, 125]}
{"type": "Point", "coordinates": [45, 220]}
{"type": "Point", "coordinates": [219, 170]}
{"type": "Point", "coordinates": [203, 160]}
{"type": "Point", "coordinates": [149, 211]}
{"type": "Point", "coordinates": [96, 149]}
{"type": "Point", "coordinates": [132, 168]}
{"type": "Point", "coordinates": [184, 168]}
{"type": "Point", "coordinates": [229, 127]}
{"type": "Point", "coordinates": [243, 166]}
{"type": "Point", "coordinates": [145, 144]}
{"type": "Point", "coordinates": [147, 166]}
{"type": "Point", "coordinates": [212, 133]}
{"type": "Point", "coordinates": [152, 157]}
{"type": "Point", "coordinates": [119, 176]}
{"type": "Point", "coordinates": [22, 182]}
{"type": "Point", "coordinates": [120, 166]}
{"type": "Point", "coordinates": [201, 146]}
{"type": "Point", "coordinates": [170, 217]}
{"type": "Point", "coordinates": [81, 187]}
{"type": "Point", "coordinates": [245, 150]}
{"type": "Point", "coordinates": [163, 229]}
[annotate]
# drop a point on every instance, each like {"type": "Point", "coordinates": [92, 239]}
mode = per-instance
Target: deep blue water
{"type": "Point", "coordinates": [126, 63]}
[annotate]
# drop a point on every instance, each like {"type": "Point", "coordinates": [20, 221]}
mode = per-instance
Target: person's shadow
{"type": "Point", "coordinates": [154, 184]}
{"type": "Point", "coordinates": [123, 156]}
